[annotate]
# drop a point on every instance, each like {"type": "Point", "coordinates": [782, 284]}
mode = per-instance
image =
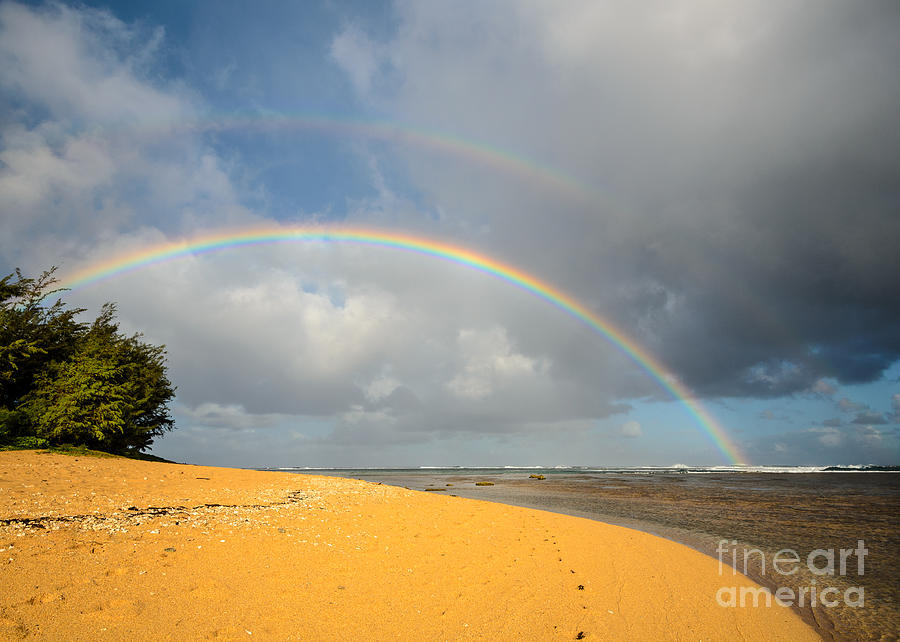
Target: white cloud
{"type": "Point", "coordinates": [869, 417]}
{"type": "Point", "coordinates": [230, 416]}
{"type": "Point", "coordinates": [631, 429]}
{"type": "Point", "coordinates": [33, 169]}
{"type": "Point", "coordinates": [824, 388]}
{"type": "Point", "coordinates": [358, 56]}
{"type": "Point", "coordinates": [381, 386]}
{"type": "Point", "coordinates": [869, 436]}
{"type": "Point", "coordinates": [828, 445]}
{"type": "Point", "coordinates": [83, 65]}
{"type": "Point", "coordinates": [360, 335]}
{"type": "Point", "coordinates": [848, 405]}
{"type": "Point", "coordinates": [488, 363]}
{"type": "Point", "coordinates": [102, 145]}
{"type": "Point", "coordinates": [830, 437]}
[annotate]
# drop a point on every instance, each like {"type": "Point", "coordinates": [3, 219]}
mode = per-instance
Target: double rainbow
{"type": "Point", "coordinates": [394, 240]}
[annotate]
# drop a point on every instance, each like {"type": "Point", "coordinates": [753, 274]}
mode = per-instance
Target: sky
{"type": "Point", "coordinates": [716, 181]}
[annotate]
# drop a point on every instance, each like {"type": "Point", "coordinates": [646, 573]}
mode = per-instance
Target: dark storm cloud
{"type": "Point", "coordinates": [791, 273]}
{"type": "Point", "coordinates": [747, 155]}
{"type": "Point", "coordinates": [814, 239]}
{"type": "Point", "coordinates": [800, 281]}
{"type": "Point", "coordinates": [815, 251]}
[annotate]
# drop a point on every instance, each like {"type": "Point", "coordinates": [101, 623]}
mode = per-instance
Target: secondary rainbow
{"type": "Point", "coordinates": [259, 236]}
{"type": "Point", "coordinates": [354, 128]}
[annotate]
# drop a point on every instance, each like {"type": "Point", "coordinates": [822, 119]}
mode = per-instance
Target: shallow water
{"type": "Point", "coordinates": [767, 511]}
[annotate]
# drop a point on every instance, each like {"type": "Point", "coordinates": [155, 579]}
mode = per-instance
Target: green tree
{"type": "Point", "coordinates": [80, 402]}
{"type": "Point", "coordinates": [32, 334]}
{"type": "Point", "coordinates": [63, 381]}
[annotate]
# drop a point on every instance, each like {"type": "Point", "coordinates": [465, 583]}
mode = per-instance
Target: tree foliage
{"type": "Point", "coordinates": [64, 381]}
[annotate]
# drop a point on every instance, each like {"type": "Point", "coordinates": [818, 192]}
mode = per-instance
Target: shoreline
{"type": "Point", "coordinates": [121, 548]}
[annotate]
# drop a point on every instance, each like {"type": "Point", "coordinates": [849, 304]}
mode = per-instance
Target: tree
{"type": "Point", "coordinates": [31, 333]}
{"type": "Point", "coordinates": [62, 381]}
{"type": "Point", "coordinates": [80, 402]}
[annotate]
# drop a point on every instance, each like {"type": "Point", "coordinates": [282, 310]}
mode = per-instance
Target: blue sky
{"type": "Point", "coordinates": [736, 216]}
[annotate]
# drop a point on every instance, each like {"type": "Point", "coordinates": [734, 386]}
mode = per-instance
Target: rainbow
{"type": "Point", "coordinates": [442, 142]}
{"type": "Point", "coordinates": [167, 251]}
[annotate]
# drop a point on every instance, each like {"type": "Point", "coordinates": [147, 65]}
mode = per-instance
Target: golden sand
{"type": "Point", "coordinates": [96, 548]}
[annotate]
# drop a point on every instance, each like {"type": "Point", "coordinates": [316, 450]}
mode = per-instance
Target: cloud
{"type": "Point", "coordinates": [230, 416]}
{"type": "Point", "coordinates": [489, 361]}
{"type": "Point", "coordinates": [358, 57]}
{"type": "Point", "coordinates": [87, 145]}
{"type": "Point", "coordinates": [828, 445]}
{"type": "Point", "coordinates": [829, 437]}
{"type": "Point", "coordinates": [83, 65]}
{"type": "Point", "coordinates": [823, 388]}
{"type": "Point", "coordinates": [631, 430]}
{"type": "Point", "coordinates": [869, 418]}
{"type": "Point", "coordinates": [748, 252]}
{"type": "Point", "coordinates": [332, 331]}
{"type": "Point", "coordinates": [848, 405]}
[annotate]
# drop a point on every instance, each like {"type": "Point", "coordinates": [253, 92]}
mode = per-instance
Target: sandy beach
{"type": "Point", "coordinates": [759, 511]}
{"type": "Point", "coordinates": [112, 548]}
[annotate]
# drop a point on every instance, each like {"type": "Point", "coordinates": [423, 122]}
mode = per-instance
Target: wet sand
{"type": "Point", "coordinates": [767, 511]}
{"type": "Point", "coordinates": [109, 549]}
